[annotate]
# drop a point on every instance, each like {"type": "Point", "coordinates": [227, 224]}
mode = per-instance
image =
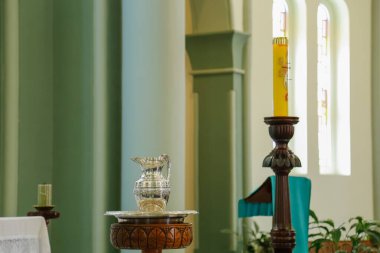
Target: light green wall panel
{"type": "Point", "coordinates": [72, 126]}
{"type": "Point", "coordinates": [216, 60]}
{"type": "Point", "coordinates": [56, 109]}
{"type": "Point", "coordinates": [220, 157]}
{"type": "Point", "coordinates": [74, 113]}
{"type": "Point", "coordinates": [211, 15]}
{"type": "Point", "coordinates": [216, 50]}
{"type": "Point", "coordinates": [10, 110]}
{"type": "Point", "coordinates": [35, 100]}
{"type": "Point", "coordinates": [376, 102]}
{"type": "Point", "coordinates": [1, 103]}
{"type": "Point", "coordinates": [154, 92]}
{"type": "Point", "coordinates": [30, 23]}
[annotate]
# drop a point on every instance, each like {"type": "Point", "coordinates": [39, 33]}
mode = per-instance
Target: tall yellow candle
{"type": "Point", "coordinates": [44, 195]}
{"type": "Point", "coordinates": [280, 75]}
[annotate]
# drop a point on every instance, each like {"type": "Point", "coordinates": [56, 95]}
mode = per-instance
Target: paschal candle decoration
{"type": "Point", "coordinates": [280, 76]}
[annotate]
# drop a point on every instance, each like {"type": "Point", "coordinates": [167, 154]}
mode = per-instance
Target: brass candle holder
{"type": "Point", "coordinates": [44, 205]}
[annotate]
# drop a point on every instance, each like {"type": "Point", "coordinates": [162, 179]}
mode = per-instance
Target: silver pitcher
{"type": "Point", "coordinates": [152, 189]}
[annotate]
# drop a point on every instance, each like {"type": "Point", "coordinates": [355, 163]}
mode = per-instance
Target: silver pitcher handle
{"type": "Point", "coordinates": [166, 158]}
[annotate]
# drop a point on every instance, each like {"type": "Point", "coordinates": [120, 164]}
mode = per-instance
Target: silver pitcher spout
{"type": "Point", "coordinates": [152, 162]}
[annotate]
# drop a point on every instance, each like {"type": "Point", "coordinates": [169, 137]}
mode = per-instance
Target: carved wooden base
{"type": "Point", "coordinates": [151, 238]}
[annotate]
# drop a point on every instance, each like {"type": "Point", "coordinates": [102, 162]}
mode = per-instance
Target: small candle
{"type": "Point", "coordinates": [280, 76]}
{"type": "Point", "coordinates": [44, 195]}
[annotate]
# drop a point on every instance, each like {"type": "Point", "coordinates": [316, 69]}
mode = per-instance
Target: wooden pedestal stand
{"type": "Point", "coordinates": [282, 161]}
{"type": "Point", "coordinates": [151, 235]}
{"type": "Point", "coordinates": [46, 212]}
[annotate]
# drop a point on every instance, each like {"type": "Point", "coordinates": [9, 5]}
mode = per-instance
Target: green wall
{"type": "Point", "coordinates": [68, 121]}
{"type": "Point", "coordinates": [154, 92]}
{"type": "Point", "coordinates": [78, 107]}
{"type": "Point", "coordinates": [74, 121]}
{"type": "Point", "coordinates": [217, 68]}
{"type": "Point", "coordinates": [73, 116]}
{"type": "Point", "coordinates": [2, 102]}
{"type": "Point", "coordinates": [35, 100]}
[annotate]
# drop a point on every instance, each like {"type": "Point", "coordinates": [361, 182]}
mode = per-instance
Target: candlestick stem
{"type": "Point", "coordinates": [282, 160]}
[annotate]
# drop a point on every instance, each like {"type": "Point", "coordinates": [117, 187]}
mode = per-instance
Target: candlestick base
{"type": "Point", "coordinates": [46, 212]}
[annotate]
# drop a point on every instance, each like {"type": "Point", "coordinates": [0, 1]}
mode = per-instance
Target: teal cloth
{"type": "Point", "coordinates": [300, 191]}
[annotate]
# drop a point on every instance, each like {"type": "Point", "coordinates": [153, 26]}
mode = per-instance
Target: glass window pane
{"type": "Point", "coordinates": [280, 18]}
{"type": "Point", "coordinates": [324, 92]}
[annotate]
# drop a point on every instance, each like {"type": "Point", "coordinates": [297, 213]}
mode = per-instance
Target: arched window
{"type": "Point", "coordinates": [280, 18]}
{"type": "Point", "coordinates": [333, 90]}
{"type": "Point", "coordinates": [324, 90]}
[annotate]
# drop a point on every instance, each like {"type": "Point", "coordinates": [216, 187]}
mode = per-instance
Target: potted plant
{"type": "Point", "coordinates": [259, 241]}
{"type": "Point", "coordinates": [355, 236]}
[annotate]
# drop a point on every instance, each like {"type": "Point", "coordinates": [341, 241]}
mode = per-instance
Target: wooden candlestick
{"type": "Point", "coordinates": [282, 160]}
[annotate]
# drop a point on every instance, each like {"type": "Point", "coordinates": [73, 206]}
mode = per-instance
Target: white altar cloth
{"type": "Point", "coordinates": [24, 235]}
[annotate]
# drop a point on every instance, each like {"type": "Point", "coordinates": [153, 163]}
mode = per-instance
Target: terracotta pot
{"type": "Point", "coordinates": [328, 247]}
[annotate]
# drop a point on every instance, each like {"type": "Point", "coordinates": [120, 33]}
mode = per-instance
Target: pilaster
{"type": "Point", "coordinates": [86, 123]}
{"type": "Point", "coordinates": [375, 102]}
{"type": "Point", "coordinates": [60, 114]}
{"type": "Point", "coordinates": [217, 68]}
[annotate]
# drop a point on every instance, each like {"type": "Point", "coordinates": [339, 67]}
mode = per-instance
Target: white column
{"type": "Point", "coordinates": [153, 92]}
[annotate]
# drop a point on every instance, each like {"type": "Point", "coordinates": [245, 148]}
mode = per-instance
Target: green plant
{"type": "Point", "coordinates": [258, 241]}
{"type": "Point", "coordinates": [364, 230]}
{"type": "Point", "coordinates": [359, 231]}
{"type": "Point", "coordinates": [322, 231]}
